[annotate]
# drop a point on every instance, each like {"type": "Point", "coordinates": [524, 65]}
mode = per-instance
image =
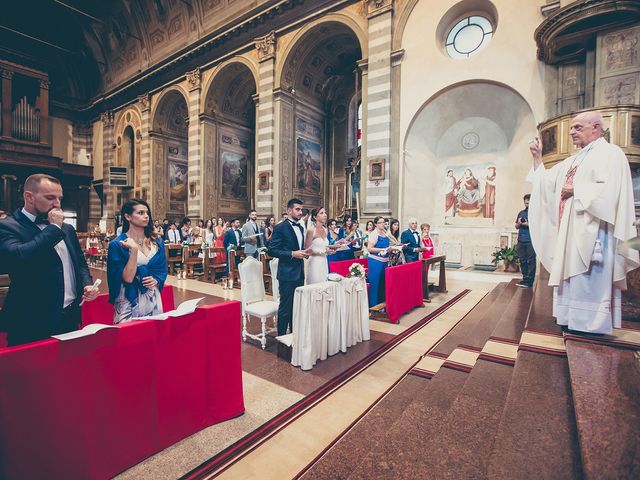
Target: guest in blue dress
{"type": "Point", "coordinates": [333, 236]}
{"type": "Point", "coordinates": [347, 232]}
{"type": "Point", "coordinates": [377, 260]}
{"type": "Point", "coordinates": [136, 265]}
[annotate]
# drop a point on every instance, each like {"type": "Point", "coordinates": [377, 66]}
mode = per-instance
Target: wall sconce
{"type": "Point", "coordinates": [192, 189]}
{"type": "Point", "coordinates": [292, 90]}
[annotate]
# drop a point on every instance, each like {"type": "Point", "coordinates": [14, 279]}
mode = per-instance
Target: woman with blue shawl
{"type": "Point", "coordinates": [136, 265]}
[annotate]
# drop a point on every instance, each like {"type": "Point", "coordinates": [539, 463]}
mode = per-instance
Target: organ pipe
{"type": "Point", "coordinates": [26, 121]}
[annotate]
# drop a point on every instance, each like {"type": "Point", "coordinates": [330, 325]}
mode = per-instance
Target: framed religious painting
{"type": "Point", "coordinates": [263, 181]}
{"type": "Point", "coordinates": [376, 169]}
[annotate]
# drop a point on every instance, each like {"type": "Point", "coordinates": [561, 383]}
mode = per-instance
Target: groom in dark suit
{"type": "Point", "coordinates": [49, 275]}
{"type": "Point", "coordinates": [287, 244]}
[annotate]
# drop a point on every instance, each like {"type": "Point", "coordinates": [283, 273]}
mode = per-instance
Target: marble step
{"type": "Point", "coordinates": [537, 435]}
{"type": "Point", "coordinates": [605, 384]}
{"type": "Point", "coordinates": [478, 324]}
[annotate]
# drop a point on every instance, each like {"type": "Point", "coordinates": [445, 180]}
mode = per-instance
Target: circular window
{"type": "Point", "coordinates": [468, 36]}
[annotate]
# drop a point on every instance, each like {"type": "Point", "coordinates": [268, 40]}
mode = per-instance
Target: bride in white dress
{"type": "Point", "coordinates": [317, 245]}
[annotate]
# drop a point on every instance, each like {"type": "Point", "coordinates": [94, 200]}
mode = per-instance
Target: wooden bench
{"type": "Point", "coordinates": [173, 252]}
{"type": "Point", "coordinates": [211, 265]}
{"type": "Point", "coordinates": [191, 258]}
{"type": "Point", "coordinates": [233, 258]}
{"type": "Point", "coordinates": [266, 272]}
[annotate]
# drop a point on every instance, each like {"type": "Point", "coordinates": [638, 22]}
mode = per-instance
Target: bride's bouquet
{"type": "Point", "coordinates": [356, 270]}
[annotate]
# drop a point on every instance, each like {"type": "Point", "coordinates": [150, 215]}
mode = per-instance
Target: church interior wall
{"type": "Point", "coordinates": [471, 124]}
{"type": "Point", "coordinates": [62, 139]}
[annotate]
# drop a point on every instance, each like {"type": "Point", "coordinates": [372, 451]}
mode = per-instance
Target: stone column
{"type": "Point", "coordinates": [265, 123]}
{"type": "Point", "coordinates": [376, 71]}
{"type": "Point", "coordinates": [7, 75]}
{"type": "Point", "coordinates": [109, 196]}
{"type": "Point", "coordinates": [194, 195]}
{"type": "Point", "coordinates": [145, 151]}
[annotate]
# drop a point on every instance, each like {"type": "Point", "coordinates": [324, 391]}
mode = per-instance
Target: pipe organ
{"type": "Point", "coordinates": [26, 121]}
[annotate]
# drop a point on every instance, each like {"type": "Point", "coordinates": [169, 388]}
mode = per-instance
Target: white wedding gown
{"type": "Point", "coordinates": [318, 269]}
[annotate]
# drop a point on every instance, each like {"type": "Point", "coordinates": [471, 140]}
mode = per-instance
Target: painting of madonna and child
{"type": "Point", "coordinates": [470, 192]}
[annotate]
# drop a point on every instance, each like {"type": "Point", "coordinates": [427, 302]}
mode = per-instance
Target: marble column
{"type": "Point", "coordinates": [110, 197]}
{"type": "Point", "coordinates": [42, 104]}
{"type": "Point", "coordinates": [194, 195]}
{"type": "Point", "coordinates": [145, 149]}
{"type": "Point", "coordinates": [376, 72]}
{"type": "Point", "coordinates": [265, 124]}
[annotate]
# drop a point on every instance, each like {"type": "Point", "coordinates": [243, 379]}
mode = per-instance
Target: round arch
{"type": "Point", "coordinates": [349, 22]}
{"type": "Point", "coordinates": [251, 65]}
{"type": "Point", "coordinates": [158, 101]}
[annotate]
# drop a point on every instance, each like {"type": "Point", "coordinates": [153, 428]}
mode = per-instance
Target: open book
{"type": "Point", "coordinates": [186, 307]}
{"type": "Point", "coordinates": [84, 332]}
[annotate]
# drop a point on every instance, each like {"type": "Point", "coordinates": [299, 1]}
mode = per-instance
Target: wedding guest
{"type": "Point", "coordinates": [200, 224]}
{"type": "Point", "coordinates": [233, 239]}
{"type": "Point", "coordinates": [346, 232]}
{"type": "Point", "coordinates": [251, 235]}
{"type": "Point", "coordinates": [136, 265]}
{"type": "Point", "coordinates": [395, 228]}
{"type": "Point", "coordinates": [268, 229]}
{"type": "Point", "coordinates": [209, 235]}
{"type": "Point", "coordinates": [411, 238]}
{"type": "Point", "coordinates": [196, 236]}
{"type": "Point", "coordinates": [427, 241]}
{"type": "Point", "coordinates": [185, 229]}
{"type": "Point", "coordinates": [165, 228]}
{"type": "Point", "coordinates": [109, 235]}
{"type": "Point", "coordinates": [173, 235]}
{"type": "Point", "coordinates": [333, 235]}
{"type": "Point", "coordinates": [377, 261]}
{"type": "Point", "coordinates": [157, 229]}
{"type": "Point", "coordinates": [219, 234]}
{"type": "Point", "coordinates": [48, 272]}
{"type": "Point", "coordinates": [357, 243]}
{"type": "Point", "coordinates": [92, 245]}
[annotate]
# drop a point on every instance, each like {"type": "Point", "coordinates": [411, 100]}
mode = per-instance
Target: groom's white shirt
{"type": "Point", "coordinates": [298, 232]}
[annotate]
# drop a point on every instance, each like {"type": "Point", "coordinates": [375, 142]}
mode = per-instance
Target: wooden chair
{"type": "Point", "coordinates": [101, 256]}
{"type": "Point", "coordinates": [234, 257]}
{"type": "Point", "coordinates": [191, 258]}
{"type": "Point", "coordinates": [211, 268]}
{"type": "Point", "coordinates": [5, 281]}
{"type": "Point", "coordinates": [266, 272]}
{"type": "Point", "coordinates": [173, 252]}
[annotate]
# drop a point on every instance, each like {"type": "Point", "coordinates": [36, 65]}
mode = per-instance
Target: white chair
{"type": "Point", "coordinates": [275, 289]}
{"type": "Point", "coordinates": [253, 302]}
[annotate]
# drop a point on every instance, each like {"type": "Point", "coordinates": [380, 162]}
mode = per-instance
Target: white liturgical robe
{"type": "Point", "coordinates": [581, 250]}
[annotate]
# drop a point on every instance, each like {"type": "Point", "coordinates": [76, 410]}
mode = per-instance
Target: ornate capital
{"type": "Point", "coordinates": [266, 46]}
{"type": "Point", "coordinates": [194, 79]}
{"type": "Point", "coordinates": [378, 7]}
{"type": "Point", "coordinates": [44, 84]}
{"type": "Point", "coordinates": [144, 102]}
{"type": "Point", "coordinates": [8, 74]}
{"type": "Point", "coordinates": [107, 118]}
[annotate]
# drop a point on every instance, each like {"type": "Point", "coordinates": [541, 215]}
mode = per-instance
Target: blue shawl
{"type": "Point", "coordinates": [118, 257]}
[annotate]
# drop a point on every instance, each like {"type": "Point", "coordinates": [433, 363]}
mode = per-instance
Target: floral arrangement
{"type": "Point", "coordinates": [356, 270]}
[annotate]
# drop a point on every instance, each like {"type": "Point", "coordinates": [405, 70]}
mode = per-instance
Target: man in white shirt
{"type": "Point", "coordinates": [49, 275]}
{"type": "Point", "coordinates": [580, 213]}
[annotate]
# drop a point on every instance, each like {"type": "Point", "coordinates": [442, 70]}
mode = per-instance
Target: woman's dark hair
{"type": "Point", "coordinates": [393, 222]}
{"type": "Point", "coordinates": [184, 221]}
{"type": "Point", "coordinates": [268, 220]}
{"type": "Point", "coordinates": [314, 213]}
{"type": "Point", "coordinates": [128, 208]}
{"type": "Point", "coordinates": [377, 219]}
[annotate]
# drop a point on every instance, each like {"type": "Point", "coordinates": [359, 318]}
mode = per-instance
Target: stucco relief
{"type": "Point", "coordinates": [194, 79]}
{"type": "Point", "coordinates": [618, 90]}
{"type": "Point", "coordinates": [266, 46]}
{"type": "Point", "coordinates": [621, 49]}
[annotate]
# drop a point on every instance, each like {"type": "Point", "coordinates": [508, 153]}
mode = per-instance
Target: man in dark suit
{"type": "Point", "coordinates": [233, 237]}
{"type": "Point", "coordinates": [49, 275]}
{"type": "Point", "coordinates": [287, 244]}
{"type": "Point", "coordinates": [411, 236]}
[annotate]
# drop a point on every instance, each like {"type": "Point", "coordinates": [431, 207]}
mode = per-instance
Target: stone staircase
{"type": "Point", "coordinates": [502, 397]}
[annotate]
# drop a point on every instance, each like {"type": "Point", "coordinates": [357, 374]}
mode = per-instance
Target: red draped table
{"type": "Point", "coordinates": [403, 289]}
{"type": "Point", "coordinates": [94, 406]}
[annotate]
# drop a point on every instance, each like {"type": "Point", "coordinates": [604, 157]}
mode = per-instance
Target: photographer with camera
{"type": "Point", "coordinates": [526, 253]}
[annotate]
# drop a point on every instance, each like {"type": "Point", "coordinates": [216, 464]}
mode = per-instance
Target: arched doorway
{"type": "Point", "coordinates": [228, 122]}
{"type": "Point", "coordinates": [465, 163]}
{"type": "Point", "coordinates": [169, 167]}
{"type": "Point", "coordinates": [320, 94]}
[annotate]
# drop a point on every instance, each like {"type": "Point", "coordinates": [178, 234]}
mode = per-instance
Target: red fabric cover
{"type": "Point", "coordinates": [95, 406]}
{"type": "Point", "coordinates": [342, 266]}
{"type": "Point", "coordinates": [101, 311]}
{"type": "Point", "coordinates": [403, 289]}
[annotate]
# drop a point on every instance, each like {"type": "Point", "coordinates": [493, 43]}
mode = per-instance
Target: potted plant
{"type": "Point", "coordinates": [509, 256]}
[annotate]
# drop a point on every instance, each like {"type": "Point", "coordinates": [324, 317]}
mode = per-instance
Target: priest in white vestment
{"type": "Point", "coordinates": [581, 210]}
